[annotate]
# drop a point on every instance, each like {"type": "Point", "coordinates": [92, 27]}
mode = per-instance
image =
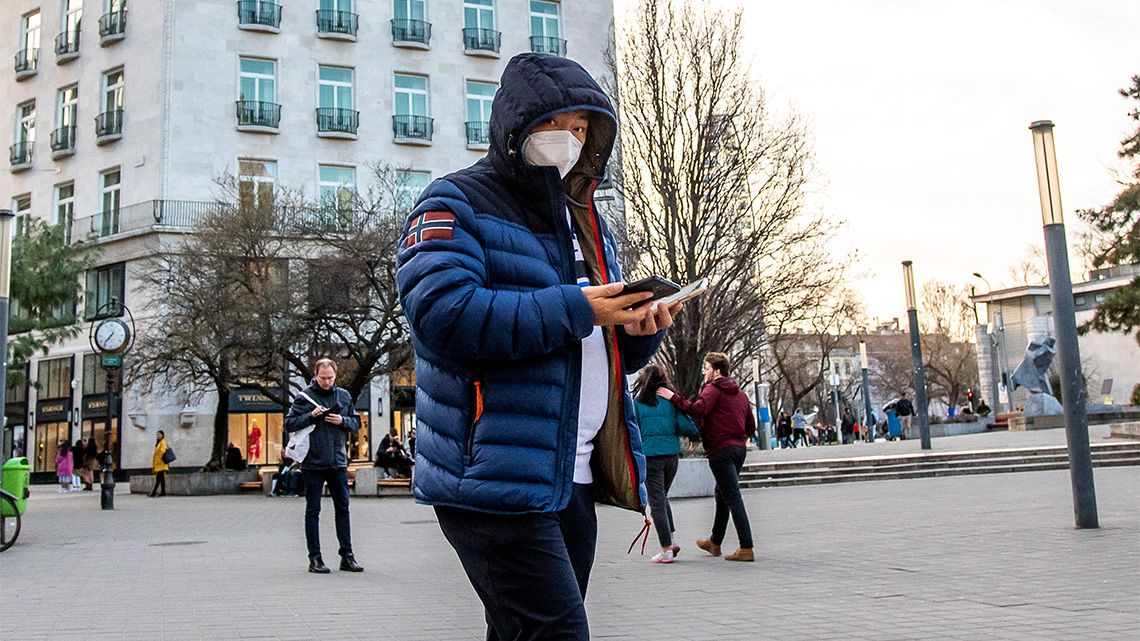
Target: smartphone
{"type": "Point", "coordinates": [692, 290]}
{"type": "Point", "coordinates": [659, 286]}
{"type": "Point", "coordinates": [335, 409]}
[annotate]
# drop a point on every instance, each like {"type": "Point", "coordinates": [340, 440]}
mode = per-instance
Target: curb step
{"type": "Point", "coordinates": [908, 466]}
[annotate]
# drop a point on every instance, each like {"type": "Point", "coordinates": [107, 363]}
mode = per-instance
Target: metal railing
{"type": "Point", "coordinates": [113, 23]}
{"type": "Point", "coordinates": [109, 123]}
{"type": "Point", "coordinates": [481, 39]}
{"type": "Point", "coordinates": [547, 44]}
{"type": "Point", "coordinates": [344, 121]}
{"type": "Point", "coordinates": [411, 31]}
{"type": "Point", "coordinates": [21, 152]}
{"type": "Point", "coordinates": [258, 114]}
{"type": "Point", "coordinates": [67, 42]}
{"type": "Point", "coordinates": [259, 12]}
{"type": "Point", "coordinates": [63, 139]}
{"type": "Point", "coordinates": [479, 133]}
{"type": "Point", "coordinates": [330, 21]}
{"type": "Point", "coordinates": [175, 214]}
{"type": "Point", "coordinates": [414, 127]}
{"type": "Point", "coordinates": [27, 60]}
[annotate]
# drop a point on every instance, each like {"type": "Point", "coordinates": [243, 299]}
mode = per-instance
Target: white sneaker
{"type": "Point", "coordinates": [663, 557]}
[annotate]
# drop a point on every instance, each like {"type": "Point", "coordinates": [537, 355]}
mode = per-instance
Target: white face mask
{"type": "Point", "coordinates": [552, 149]}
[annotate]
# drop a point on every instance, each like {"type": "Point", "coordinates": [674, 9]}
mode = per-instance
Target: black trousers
{"type": "Point", "coordinates": [659, 474]}
{"type": "Point", "coordinates": [159, 481]}
{"type": "Point", "coordinates": [529, 570]}
{"type": "Point", "coordinates": [337, 481]}
{"type": "Point", "coordinates": [726, 464]}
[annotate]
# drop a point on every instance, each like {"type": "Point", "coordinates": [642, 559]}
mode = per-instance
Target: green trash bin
{"type": "Point", "coordinates": [14, 478]}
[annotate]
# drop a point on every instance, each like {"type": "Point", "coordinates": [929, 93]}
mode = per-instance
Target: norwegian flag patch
{"type": "Point", "coordinates": [431, 225]}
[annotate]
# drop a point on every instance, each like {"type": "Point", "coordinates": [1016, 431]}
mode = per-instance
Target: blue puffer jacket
{"type": "Point", "coordinates": [661, 425]}
{"type": "Point", "coordinates": [486, 278]}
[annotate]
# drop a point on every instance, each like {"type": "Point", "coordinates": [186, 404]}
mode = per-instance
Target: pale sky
{"type": "Point", "coordinates": [920, 113]}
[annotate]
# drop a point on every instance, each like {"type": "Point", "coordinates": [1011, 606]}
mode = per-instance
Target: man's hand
{"type": "Point", "coordinates": [657, 318]}
{"type": "Point", "coordinates": [335, 419]}
{"type": "Point", "coordinates": [665, 393]}
{"type": "Point", "coordinates": [609, 304]}
{"type": "Point", "coordinates": [318, 410]}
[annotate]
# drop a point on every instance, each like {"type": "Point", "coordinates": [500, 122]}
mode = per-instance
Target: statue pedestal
{"type": "Point", "coordinates": [1041, 404]}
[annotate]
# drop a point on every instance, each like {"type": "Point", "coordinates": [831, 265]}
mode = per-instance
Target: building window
{"type": "Point", "coordinates": [113, 22]}
{"type": "Point", "coordinates": [336, 188]}
{"type": "Point", "coordinates": [334, 96]}
{"type": "Point", "coordinates": [409, 186]}
{"type": "Point", "coordinates": [256, 182]}
{"type": "Point", "coordinates": [412, 107]}
{"type": "Point", "coordinates": [22, 207]}
{"type": "Point", "coordinates": [479, 32]}
{"type": "Point", "coordinates": [259, 13]}
{"type": "Point", "coordinates": [72, 15]}
{"type": "Point", "coordinates": [27, 59]}
{"type": "Point", "coordinates": [103, 285]}
{"type": "Point", "coordinates": [109, 123]}
{"type": "Point", "coordinates": [26, 122]}
{"type": "Point", "coordinates": [109, 183]}
{"type": "Point", "coordinates": [65, 209]}
{"type": "Point", "coordinates": [409, 22]}
{"type": "Point", "coordinates": [336, 17]}
{"type": "Point", "coordinates": [479, 97]}
{"type": "Point", "coordinates": [257, 93]}
{"type": "Point", "coordinates": [66, 111]}
{"type": "Point", "coordinates": [546, 28]}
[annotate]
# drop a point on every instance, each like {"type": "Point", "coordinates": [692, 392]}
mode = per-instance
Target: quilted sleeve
{"type": "Point", "coordinates": [443, 289]}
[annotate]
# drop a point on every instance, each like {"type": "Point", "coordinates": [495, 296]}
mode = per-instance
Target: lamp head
{"type": "Point", "coordinates": [1048, 183]}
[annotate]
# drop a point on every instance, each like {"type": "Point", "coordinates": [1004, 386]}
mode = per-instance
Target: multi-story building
{"type": "Point", "coordinates": [123, 117]}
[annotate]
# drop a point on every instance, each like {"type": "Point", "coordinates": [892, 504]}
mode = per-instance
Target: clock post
{"type": "Point", "coordinates": [111, 338]}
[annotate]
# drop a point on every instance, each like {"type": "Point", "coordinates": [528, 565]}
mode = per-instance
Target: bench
{"type": "Point", "coordinates": [264, 482]}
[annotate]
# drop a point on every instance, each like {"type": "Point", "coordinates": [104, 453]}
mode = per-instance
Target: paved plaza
{"type": "Point", "coordinates": [969, 557]}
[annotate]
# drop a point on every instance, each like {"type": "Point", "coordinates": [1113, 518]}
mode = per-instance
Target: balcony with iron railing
{"type": "Point", "coordinates": [112, 27]}
{"type": "Point", "coordinates": [482, 42]}
{"type": "Point", "coordinates": [27, 63]}
{"type": "Point", "coordinates": [411, 33]}
{"type": "Point", "coordinates": [185, 216]}
{"type": "Point", "coordinates": [478, 135]}
{"type": "Point", "coordinates": [62, 142]}
{"type": "Point", "coordinates": [108, 126]}
{"type": "Point", "coordinates": [415, 130]}
{"type": "Point", "coordinates": [258, 117]}
{"type": "Point", "coordinates": [336, 25]}
{"type": "Point", "coordinates": [67, 46]}
{"type": "Point", "coordinates": [20, 155]}
{"type": "Point", "coordinates": [547, 44]}
{"type": "Point", "coordinates": [259, 15]}
{"type": "Point", "coordinates": [337, 123]}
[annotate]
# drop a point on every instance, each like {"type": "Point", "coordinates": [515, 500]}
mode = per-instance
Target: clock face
{"type": "Point", "coordinates": [111, 335]}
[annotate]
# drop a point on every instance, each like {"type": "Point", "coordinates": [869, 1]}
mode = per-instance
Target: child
{"type": "Point", "coordinates": [64, 466]}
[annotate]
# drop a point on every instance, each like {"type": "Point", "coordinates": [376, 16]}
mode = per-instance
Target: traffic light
{"type": "Point", "coordinates": [970, 398]}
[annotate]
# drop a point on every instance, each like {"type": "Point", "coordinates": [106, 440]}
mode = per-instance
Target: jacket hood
{"type": "Point", "coordinates": [727, 385]}
{"type": "Point", "coordinates": [534, 87]}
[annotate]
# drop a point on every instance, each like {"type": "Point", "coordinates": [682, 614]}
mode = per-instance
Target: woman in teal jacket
{"type": "Point", "coordinates": [661, 424]}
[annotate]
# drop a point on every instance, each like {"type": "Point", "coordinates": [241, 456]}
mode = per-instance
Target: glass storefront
{"type": "Point", "coordinates": [258, 436]}
{"type": "Point", "coordinates": [48, 438]}
{"type": "Point", "coordinates": [15, 436]}
{"type": "Point", "coordinates": [53, 411]}
{"type": "Point", "coordinates": [94, 413]}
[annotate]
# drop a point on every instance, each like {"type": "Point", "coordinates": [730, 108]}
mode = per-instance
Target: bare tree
{"type": "Point", "coordinates": [713, 184]}
{"type": "Point", "coordinates": [948, 352]}
{"type": "Point", "coordinates": [1031, 269]}
{"type": "Point", "coordinates": [270, 281]}
{"type": "Point", "coordinates": [799, 358]}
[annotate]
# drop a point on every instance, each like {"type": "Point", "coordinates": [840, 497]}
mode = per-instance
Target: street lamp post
{"type": "Point", "coordinates": [5, 279]}
{"type": "Point", "coordinates": [763, 414]}
{"type": "Point", "coordinates": [1065, 327]}
{"type": "Point", "coordinates": [923, 409]}
{"type": "Point", "coordinates": [866, 391]}
{"type": "Point", "coordinates": [997, 350]}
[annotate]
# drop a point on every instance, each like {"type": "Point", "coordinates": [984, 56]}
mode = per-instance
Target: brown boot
{"type": "Point", "coordinates": [742, 554]}
{"type": "Point", "coordinates": [708, 546]}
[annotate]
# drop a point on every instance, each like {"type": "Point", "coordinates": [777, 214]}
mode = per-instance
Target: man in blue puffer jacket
{"type": "Point", "coordinates": [523, 339]}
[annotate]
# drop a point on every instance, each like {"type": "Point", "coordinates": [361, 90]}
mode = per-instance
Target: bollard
{"type": "Point", "coordinates": [107, 486]}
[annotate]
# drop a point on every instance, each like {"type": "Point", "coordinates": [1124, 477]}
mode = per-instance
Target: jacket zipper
{"type": "Point", "coordinates": [477, 414]}
{"type": "Point", "coordinates": [614, 339]}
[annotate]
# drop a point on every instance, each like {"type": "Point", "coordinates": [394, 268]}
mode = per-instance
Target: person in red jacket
{"type": "Point", "coordinates": [726, 421]}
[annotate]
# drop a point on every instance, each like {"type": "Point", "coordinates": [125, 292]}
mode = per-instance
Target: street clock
{"type": "Point", "coordinates": [112, 335]}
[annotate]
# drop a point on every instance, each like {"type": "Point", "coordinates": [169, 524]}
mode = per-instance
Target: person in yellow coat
{"type": "Point", "coordinates": [158, 465]}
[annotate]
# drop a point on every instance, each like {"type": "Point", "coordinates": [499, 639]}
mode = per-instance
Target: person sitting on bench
{"type": "Point", "coordinates": [391, 454]}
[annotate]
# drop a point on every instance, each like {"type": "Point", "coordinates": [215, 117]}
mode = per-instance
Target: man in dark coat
{"type": "Point", "coordinates": [523, 339]}
{"type": "Point", "coordinates": [329, 410]}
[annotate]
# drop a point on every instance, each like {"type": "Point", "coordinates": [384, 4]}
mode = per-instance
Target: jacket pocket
{"type": "Point", "coordinates": [476, 413]}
